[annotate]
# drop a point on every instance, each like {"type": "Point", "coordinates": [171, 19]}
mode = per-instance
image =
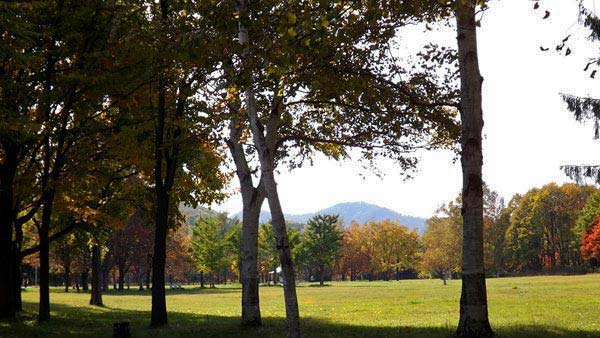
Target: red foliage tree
{"type": "Point", "coordinates": [590, 243]}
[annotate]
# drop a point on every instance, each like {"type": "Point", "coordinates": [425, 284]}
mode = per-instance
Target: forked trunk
{"type": "Point", "coordinates": [265, 146]}
{"type": "Point", "coordinates": [252, 199]}
{"type": "Point", "coordinates": [474, 320]}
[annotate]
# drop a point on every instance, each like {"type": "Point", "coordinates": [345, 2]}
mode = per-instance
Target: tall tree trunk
{"type": "Point", "coordinates": [44, 305]}
{"type": "Point", "coordinates": [18, 278]}
{"type": "Point", "coordinates": [140, 278]}
{"type": "Point", "coordinates": [202, 280]}
{"type": "Point", "coordinates": [284, 250]}
{"type": "Point", "coordinates": [474, 320]}
{"type": "Point", "coordinates": [265, 147]}
{"type": "Point", "coordinates": [96, 296]}
{"type": "Point", "coordinates": [159, 304]}
{"type": "Point", "coordinates": [84, 279]}
{"type": "Point", "coordinates": [252, 200]}
{"type": "Point", "coordinates": [67, 277]}
{"type": "Point", "coordinates": [8, 167]}
{"type": "Point", "coordinates": [121, 277]}
{"type": "Point", "coordinates": [265, 151]}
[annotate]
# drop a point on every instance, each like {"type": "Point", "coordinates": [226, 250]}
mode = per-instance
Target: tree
{"type": "Point", "coordinates": [315, 45]}
{"type": "Point", "coordinates": [590, 243]}
{"type": "Point", "coordinates": [541, 233]}
{"type": "Point", "coordinates": [474, 321]}
{"type": "Point", "coordinates": [588, 215]}
{"type": "Point", "coordinates": [353, 258]}
{"type": "Point", "coordinates": [209, 246]}
{"type": "Point", "coordinates": [179, 257]}
{"type": "Point", "coordinates": [321, 241]}
{"type": "Point", "coordinates": [442, 242]}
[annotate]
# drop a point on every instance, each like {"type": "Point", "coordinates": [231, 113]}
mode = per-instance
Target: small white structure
{"type": "Point", "coordinates": [276, 272]}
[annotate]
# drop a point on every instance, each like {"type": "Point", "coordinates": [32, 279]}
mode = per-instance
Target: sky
{"type": "Point", "coordinates": [528, 132]}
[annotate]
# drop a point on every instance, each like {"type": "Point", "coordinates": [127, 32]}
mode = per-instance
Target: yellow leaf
{"type": "Point", "coordinates": [291, 18]}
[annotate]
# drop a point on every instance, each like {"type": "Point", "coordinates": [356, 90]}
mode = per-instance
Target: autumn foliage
{"type": "Point", "coordinates": [590, 243]}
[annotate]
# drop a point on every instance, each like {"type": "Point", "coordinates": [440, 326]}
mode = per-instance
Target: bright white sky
{"type": "Point", "coordinates": [529, 133]}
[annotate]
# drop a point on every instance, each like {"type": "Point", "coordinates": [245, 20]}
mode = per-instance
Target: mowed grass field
{"type": "Point", "coordinates": [548, 306]}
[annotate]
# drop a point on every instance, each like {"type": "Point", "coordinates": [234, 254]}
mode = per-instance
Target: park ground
{"type": "Point", "coordinates": [545, 306]}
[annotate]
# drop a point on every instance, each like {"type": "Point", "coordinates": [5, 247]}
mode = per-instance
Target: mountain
{"type": "Point", "coordinates": [360, 212]}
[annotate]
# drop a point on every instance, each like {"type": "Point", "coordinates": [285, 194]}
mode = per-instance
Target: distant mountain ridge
{"type": "Point", "coordinates": [360, 212]}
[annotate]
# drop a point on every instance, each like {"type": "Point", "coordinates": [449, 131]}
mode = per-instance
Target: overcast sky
{"type": "Point", "coordinates": [529, 133]}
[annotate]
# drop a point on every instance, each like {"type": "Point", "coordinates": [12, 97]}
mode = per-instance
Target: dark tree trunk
{"type": "Point", "coordinates": [140, 278]}
{"type": "Point", "coordinates": [105, 268]}
{"type": "Point", "coordinates": [121, 277]}
{"type": "Point", "coordinates": [8, 167]}
{"type": "Point", "coordinates": [18, 279]}
{"type": "Point", "coordinates": [67, 277]}
{"type": "Point", "coordinates": [44, 305]}
{"type": "Point", "coordinates": [148, 277]}
{"type": "Point", "coordinates": [159, 304]}
{"type": "Point", "coordinates": [474, 320]}
{"type": "Point", "coordinates": [96, 297]}
{"type": "Point", "coordinates": [202, 280]}
{"type": "Point", "coordinates": [321, 275]}
{"type": "Point", "coordinates": [84, 280]}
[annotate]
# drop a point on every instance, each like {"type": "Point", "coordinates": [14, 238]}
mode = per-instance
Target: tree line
{"type": "Point", "coordinates": [545, 230]}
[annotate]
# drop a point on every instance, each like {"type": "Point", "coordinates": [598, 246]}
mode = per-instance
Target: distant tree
{"type": "Point", "coordinates": [442, 242]}
{"type": "Point", "coordinates": [321, 242]}
{"type": "Point", "coordinates": [179, 254]}
{"type": "Point", "coordinates": [234, 240]}
{"type": "Point", "coordinates": [590, 243]}
{"type": "Point", "coordinates": [210, 249]}
{"type": "Point", "coordinates": [395, 247]}
{"type": "Point", "coordinates": [588, 214]}
{"type": "Point", "coordinates": [353, 259]}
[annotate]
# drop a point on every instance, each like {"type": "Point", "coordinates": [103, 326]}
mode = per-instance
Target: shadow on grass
{"type": "Point", "coordinates": [191, 290]}
{"type": "Point", "coordinates": [71, 321]}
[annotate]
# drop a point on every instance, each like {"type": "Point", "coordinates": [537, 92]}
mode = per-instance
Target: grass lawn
{"type": "Point", "coordinates": [557, 306]}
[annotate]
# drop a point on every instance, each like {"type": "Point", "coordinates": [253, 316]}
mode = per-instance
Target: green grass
{"type": "Point", "coordinates": [557, 306]}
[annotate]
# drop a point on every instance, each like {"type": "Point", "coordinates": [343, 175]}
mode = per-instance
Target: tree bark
{"type": "Point", "coordinates": [474, 320]}
{"type": "Point", "coordinates": [265, 151]}
{"type": "Point", "coordinates": [8, 167]}
{"type": "Point", "coordinates": [96, 296]}
{"type": "Point", "coordinates": [252, 199]}
{"type": "Point", "coordinates": [84, 280]}
{"type": "Point", "coordinates": [67, 278]}
{"type": "Point", "coordinates": [159, 304]}
{"type": "Point", "coordinates": [44, 305]}
{"type": "Point", "coordinates": [321, 275]}
{"type": "Point", "coordinates": [121, 277]}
